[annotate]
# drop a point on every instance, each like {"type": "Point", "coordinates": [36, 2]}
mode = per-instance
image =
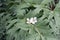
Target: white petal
{"type": "Point", "coordinates": [31, 20]}
{"type": "Point", "coordinates": [28, 22]}
{"type": "Point", "coordinates": [27, 19]}
{"type": "Point", "coordinates": [35, 21]}
{"type": "Point", "coordinates": [35, 18]}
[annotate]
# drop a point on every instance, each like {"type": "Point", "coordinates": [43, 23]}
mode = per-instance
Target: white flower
{"type": "Point", "coordinates": [32, 20]}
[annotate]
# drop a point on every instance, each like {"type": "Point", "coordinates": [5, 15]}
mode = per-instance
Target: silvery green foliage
{"type": "Point", "coordinates": [47, 26]}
